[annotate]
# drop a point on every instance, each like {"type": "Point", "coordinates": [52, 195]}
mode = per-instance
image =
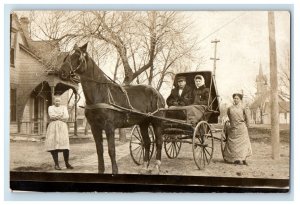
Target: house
{"type": "Point", "coordinates": [34, 79]}
{"type": "Point", "coordinates": [261, 107]}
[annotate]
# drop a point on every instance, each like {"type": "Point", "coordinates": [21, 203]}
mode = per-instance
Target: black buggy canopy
{"type": "Point", "coordinates": [209, 83]}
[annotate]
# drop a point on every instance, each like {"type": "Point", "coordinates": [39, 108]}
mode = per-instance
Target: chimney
{"type": "Point", "coordinates": [25, 26]}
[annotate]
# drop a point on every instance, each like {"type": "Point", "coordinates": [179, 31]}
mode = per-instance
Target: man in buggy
{"type": "Point", "coordinates": [181, 94]}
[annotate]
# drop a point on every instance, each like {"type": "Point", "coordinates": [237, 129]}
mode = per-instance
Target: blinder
{"type": "Point", "coordinates": [82, 60]}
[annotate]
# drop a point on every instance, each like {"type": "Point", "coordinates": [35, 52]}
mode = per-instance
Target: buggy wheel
{"type": "Point", "coordinates": [172, 146]}
{"type": "Point", "coordinates": [136, 145]}
{"type": "Point", "coordinates": [203, 144]}
{"type": "Point", "coordinates": [224, 136]}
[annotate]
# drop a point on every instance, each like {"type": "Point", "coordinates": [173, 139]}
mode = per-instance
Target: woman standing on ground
{"type": "Point", "coordinates": [57, 136]}
{"type": "Point", "coordinates": [238, 146]}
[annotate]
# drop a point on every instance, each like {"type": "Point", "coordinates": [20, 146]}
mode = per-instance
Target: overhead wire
{"type": "Point", "coordinates": [221, 27]}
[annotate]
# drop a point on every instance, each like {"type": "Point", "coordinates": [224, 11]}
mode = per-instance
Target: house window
{"type": "Point", "coordinates": [13, 105]}
{"type": "Point", "coordinates": [285, 115]}
{"type": "Point", "coordinates": [12, 48]}
{"type": "Point", "coordinates": [12, 56]}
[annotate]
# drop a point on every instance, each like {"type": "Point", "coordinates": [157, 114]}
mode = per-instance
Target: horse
{"type": "Point", "coordinates": [104, 102]}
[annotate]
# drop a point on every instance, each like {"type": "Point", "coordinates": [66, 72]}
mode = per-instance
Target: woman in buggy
{"type": "Point", "coordinates": [200, 93]}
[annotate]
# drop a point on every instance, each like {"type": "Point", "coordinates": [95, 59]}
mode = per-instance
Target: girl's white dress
{"type": "Point", "coordinates": [57, 136]}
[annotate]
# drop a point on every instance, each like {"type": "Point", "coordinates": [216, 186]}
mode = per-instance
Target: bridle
{"type": "Point", "coordinates": [81, 59]}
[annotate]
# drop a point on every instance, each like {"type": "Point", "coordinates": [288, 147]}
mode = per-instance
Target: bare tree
{"type": "Point", "coordinates": [285, 77]}
{"type": "Point", "coordinates": [139, 37]}
{"type": "Point", "coordinates": [150, 43]}
{"type": "Point", "coordinates": [175, 49]}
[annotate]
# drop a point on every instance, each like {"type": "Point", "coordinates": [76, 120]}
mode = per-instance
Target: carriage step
{"type": "Point", "coordinates": [168, 125]}
{"type": "Point", "coordinates": [216, 130]}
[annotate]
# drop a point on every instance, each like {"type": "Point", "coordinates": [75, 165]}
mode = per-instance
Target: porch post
{"type": "Point", "coordinates": [75, 123]}
{"type": "Point", "coordinates": [52, 94]}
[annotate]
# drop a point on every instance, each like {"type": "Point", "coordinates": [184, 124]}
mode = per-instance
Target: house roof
{"type": "Point", "coordinates": [284, 106]}
{"type": "Point", "coordinates": [47, 51]}
{"type": "Point", "coordinates": [260, 100]}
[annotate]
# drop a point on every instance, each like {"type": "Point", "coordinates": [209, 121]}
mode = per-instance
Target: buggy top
{"type": "Point", "coordinates": [213, 101]}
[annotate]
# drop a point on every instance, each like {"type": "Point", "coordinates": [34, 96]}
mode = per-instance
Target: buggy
{"type": "Point", "coordinates": [177, 128]}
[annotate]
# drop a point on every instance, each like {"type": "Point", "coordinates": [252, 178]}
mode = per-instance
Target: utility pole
{"type": "Point", "coordinates": [215, 66]}
{"type": "Point", "coordinates": [215, 55]}
{"type": "Point", "coordinates": [274, 88]}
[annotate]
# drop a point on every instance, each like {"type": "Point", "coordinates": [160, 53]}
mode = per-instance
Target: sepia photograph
{"type": "Point", "coordinates": [154, 100]}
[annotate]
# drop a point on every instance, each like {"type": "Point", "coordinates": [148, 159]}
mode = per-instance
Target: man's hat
{"type": "Point", "coordinates": [181, 78]}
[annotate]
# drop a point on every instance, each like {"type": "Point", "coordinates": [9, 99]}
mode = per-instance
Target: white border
{"type": "Point", "coordinates": [147, 196]}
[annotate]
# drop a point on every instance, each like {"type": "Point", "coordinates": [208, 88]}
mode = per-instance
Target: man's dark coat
{"type": "Point", "coordinates": [180, 100]}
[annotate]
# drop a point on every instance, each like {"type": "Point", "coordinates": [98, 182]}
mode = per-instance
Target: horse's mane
{"type": "Point", "coordinates": [117, 92]}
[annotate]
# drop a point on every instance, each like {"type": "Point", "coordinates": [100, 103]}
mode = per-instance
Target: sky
{"type": "Point", "coordinates": [244, 44]}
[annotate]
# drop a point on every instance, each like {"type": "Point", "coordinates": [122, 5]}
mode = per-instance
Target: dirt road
{"type": "Point", "coordinates": [30, 156]}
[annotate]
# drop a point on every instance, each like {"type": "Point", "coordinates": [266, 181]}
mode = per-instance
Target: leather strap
{"type": "Point", "coordinates": [101, 106]}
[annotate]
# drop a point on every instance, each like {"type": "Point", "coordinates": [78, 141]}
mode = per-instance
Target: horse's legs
{"type": "Point", "coordinates": [110, 136]}
{"type": "Point", "coordinates": [158, 143]}
{"type": "Point", "coordinates": [97, 134]}
{"type": "Point", "coordinates": [147, 142]}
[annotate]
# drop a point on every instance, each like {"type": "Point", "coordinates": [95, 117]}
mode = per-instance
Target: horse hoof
{"type": "Point", "coordinates": [68, 166]}
{"type": "Point", "coordinates": [155, 170]}
{"type": "Point", "coordinates": [57, 167]}
{"type": "Point", "coordinates": [115, 171]}
{"type": "Point", "coordinates": [144, 171]}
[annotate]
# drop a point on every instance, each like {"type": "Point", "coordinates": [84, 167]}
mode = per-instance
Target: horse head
{"type": "Point", "coordinates": [75, 62]}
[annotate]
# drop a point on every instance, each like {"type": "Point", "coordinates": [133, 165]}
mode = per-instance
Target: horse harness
{"type": "Point", "coordinates": [111, 105]}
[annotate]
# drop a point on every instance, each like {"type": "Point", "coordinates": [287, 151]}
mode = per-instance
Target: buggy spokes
{"type": "Point", "coordinates": [172, 145]}
{"type": "Point", "coordinates": [137, 147]}
{"type": "Point", "coordinates": [203, 144]}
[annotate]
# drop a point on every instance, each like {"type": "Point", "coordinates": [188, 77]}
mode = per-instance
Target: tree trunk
{"type": "Point", "coordinates": [116, 68]}
{"type": "Point", "coordinates": [150, 75]}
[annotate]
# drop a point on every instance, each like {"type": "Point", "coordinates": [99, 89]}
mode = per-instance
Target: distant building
{"type": "Point", "coordinates": [33, 79]}
{"type": "Point", "coordinates": [261, 107]}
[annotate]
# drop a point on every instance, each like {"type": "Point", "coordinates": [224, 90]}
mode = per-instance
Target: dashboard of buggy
{"type": "Point", "coordinates": [178, 114]}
